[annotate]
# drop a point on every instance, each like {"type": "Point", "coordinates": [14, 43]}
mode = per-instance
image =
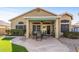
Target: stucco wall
{"type": "Point", "coordinates": [15, 22]}
{"type": "Point", "coordinates": [66, 17]}
{"type": "Point", "coordinates": [38, 13]}
{"type": "Point", "coordinates": [33, 13]}
{"type": "Point", "coordinates": [63, 17]}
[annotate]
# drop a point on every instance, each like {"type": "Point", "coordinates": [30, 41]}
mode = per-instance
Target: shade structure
{"type": "Point", "coordinates": [42, 18]}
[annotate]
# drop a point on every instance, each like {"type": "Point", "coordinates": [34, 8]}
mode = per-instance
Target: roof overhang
{"type": "Point", "coordinates": [41, 17]}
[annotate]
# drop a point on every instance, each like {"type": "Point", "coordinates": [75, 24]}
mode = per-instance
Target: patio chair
{"type": "Point", "coordinates": [33, 34]}
{"type": "Point", "coordinates": [39, 35]}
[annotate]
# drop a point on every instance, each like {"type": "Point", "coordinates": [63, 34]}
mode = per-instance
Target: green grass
{"type": "Point", "coordinates": [1, 37]}
{"type": "Point", "coordinates": [8, 38]}
{"type": "Point", "coordinates": [18, 48]}
{"type": "Point", "coordinates": [7, 46]}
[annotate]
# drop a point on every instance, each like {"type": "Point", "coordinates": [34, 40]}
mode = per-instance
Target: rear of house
{"type": "Point", "coordinates": [40, 20]}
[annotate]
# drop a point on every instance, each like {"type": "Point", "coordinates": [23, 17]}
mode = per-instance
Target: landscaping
{"type": "Point", "coordinates": [15, 32]}
{"type": "Point", "coordinates": [6, 45]}
{"type": "Point", "coordinates": [71, 35]}
{"type": "Point", "coordinates": [8, 38]}
{"type": "Point", "coordinates": [18, 48]}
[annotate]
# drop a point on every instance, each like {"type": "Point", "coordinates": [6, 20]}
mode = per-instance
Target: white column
{"type": "Point", "coordinates": [57, 27]}
{"type": "Point", "coordinates": [27, 28]}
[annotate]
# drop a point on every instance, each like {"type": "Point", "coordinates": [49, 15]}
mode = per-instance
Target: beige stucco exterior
{"type": "Point", "coordinates": [67, 18]}
{"type": "Point", "coordinates": [38, 12]}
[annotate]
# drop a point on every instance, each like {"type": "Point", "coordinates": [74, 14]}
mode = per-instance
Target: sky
{"type": "Point", "coordinates": [7, 13]}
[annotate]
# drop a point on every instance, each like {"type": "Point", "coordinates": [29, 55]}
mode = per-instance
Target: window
{"type": "Point", "coordinates": [64, 27]}
{"type": "Point", "coordinates": [21, 27]}
{"type": "Point", "coordinates": [64, 21]}
{"type": "Point", "coordinates": [36, 28]}
{"type": "Point", "coordinates": [20, 23]}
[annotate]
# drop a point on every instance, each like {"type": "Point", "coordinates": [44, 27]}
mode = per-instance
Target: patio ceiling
{"type": "Point", "coordinates": [41, 18]}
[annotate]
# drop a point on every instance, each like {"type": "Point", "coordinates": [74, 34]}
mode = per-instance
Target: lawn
{"type": "Point", "coordinates": [1, 37]}
{"type": "Point", "coordinates": [6, 45]}
{"type": "Point", "coordinates": [18, 48]}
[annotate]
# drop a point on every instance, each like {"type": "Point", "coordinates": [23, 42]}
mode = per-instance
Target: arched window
{"type": "Point", "coordinates": [21, 27]}
{"type": "Point", "coordinates": [20, 23]}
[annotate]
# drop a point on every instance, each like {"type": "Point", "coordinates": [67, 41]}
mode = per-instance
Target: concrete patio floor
{"type": "Point", "coordinates": [46, 45]}
{"type": "Point", "coordinates": [72, 44]}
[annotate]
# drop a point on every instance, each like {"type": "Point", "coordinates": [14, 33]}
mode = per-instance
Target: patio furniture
{"type": "Point", "coordinates": [39, 35]}
{"type": "Point", "coordinates": [34, 34]}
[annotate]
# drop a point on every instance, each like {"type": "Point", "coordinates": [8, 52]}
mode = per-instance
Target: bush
{"type": "Point", "coordinates": [8, 32]}
{"type": "Point", "coordinates": [72, 35]}
{"type": "Point", "coordinates": [8, 38]}
{"type": "Point", "coordinates": [17, 32]}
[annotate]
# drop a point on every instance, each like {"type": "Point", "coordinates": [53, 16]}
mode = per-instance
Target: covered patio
{"type": "Point", "coordinates": [45, 25]}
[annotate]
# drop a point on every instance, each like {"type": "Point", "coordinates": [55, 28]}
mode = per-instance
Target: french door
{"type": "Point", "coordinates": [36, 28]}
{"type": "Point", "coordinates": [47, 29]}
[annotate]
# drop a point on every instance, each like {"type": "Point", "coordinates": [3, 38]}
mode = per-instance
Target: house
{"type": "Point", "coordinates": [75, 27]}
{"type": "Point", "coordinates": [39, 19]}
{"type": "Point", "coordinates": [3, 27]}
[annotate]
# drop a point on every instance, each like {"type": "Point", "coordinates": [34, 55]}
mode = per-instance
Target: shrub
{"type": "Point", "coordinates": [8, 38]}
{"type": "Point", "coordinates": [72, 35]}
{"type": "Point", "coordinates": [17, 32]}
{"type": "Point", "coordinates": [8, 32]}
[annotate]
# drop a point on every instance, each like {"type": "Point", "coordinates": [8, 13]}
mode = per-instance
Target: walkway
{"type": "Point", "coordinates": [72, 44]}
{"type": "Point", "coordinates": [46, 45]}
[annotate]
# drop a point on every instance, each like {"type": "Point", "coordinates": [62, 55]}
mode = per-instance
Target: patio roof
{"type": "Point", "coordinates": [42, 17]}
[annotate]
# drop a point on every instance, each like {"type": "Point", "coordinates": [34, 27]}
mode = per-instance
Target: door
{"type": "Point", "coordinates": [36, 28]}
{"type": "Point", "coordinates": [48, 29]}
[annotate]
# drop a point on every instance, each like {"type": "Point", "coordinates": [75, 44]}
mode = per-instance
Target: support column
{"type": "Point", "coordinates": [57, 27]}
{"type": "Point", "coordinates": [27, 28]}
{"type": "Point", "coordinates": [70, 27]}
